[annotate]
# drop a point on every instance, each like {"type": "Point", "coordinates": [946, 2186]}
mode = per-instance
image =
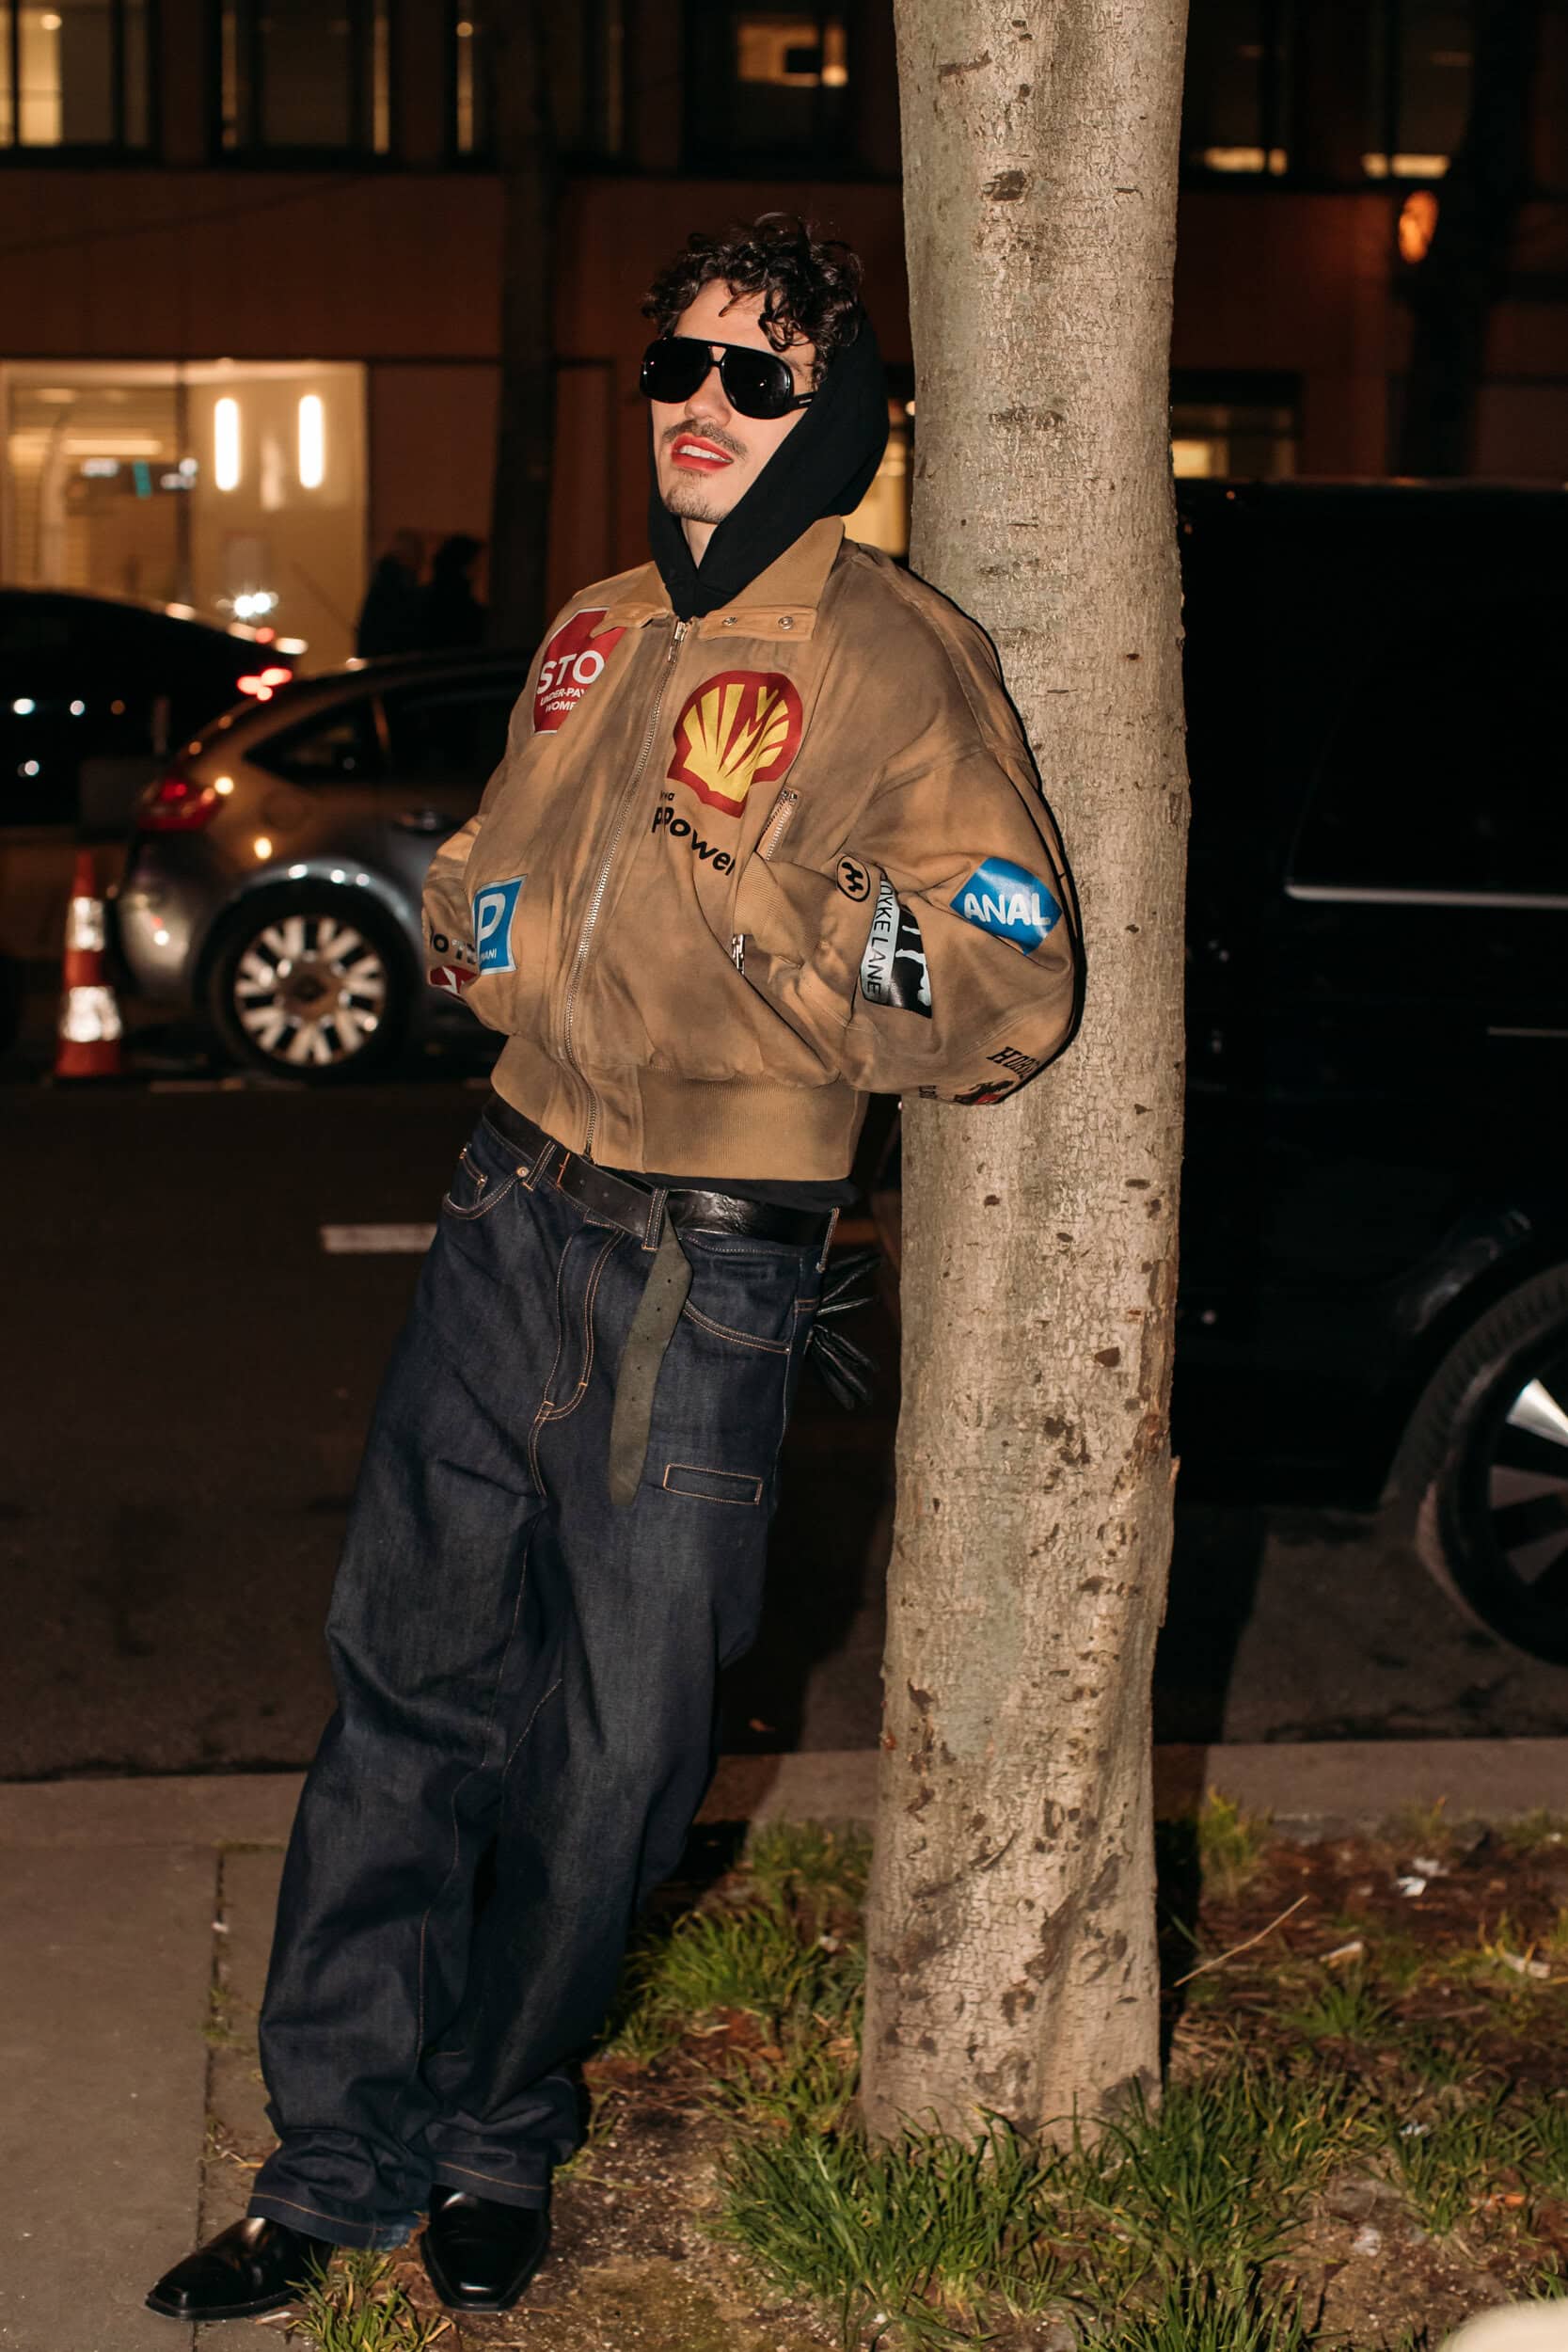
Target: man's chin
{"type": "Point", "coordinates": [695, 502]}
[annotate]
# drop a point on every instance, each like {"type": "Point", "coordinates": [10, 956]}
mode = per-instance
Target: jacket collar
{"type": "Point", "coordinates": [782, 600]}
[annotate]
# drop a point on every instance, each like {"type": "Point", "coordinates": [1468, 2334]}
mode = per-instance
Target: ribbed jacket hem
{"type": "Point", "coordinates": [745, 1129]}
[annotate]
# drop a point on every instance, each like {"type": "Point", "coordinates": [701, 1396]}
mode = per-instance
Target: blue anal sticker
{"type": "Point", "coordinates": [494, 907]}
{"type": "Point", "coordinates": [1010, 901]}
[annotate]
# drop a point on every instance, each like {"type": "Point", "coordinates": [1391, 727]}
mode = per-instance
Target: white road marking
{"type": "Point", "coordinates": [376, 1240]}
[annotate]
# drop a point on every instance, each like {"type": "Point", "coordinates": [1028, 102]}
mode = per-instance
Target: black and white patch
{"type": "Point", "coordinates": [892, 969]}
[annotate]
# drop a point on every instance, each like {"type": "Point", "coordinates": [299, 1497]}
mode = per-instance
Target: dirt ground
{"type": "Point", "coordinates": [1429, 1964]}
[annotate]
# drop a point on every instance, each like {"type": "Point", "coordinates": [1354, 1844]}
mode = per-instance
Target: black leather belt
{"type": "Point", "coordinates": [634, 1207]}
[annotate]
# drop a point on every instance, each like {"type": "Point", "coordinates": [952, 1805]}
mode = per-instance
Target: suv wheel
{"type": "Point", "coordinates": [313, 985]}
{"type": "Point", "coordinates": [1480, 1483]}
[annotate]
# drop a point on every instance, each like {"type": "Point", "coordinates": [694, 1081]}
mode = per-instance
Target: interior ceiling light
{"type": "Point", "coordinates": [225, 443]}
{"type": "Point", "coordinates": [312, 441]}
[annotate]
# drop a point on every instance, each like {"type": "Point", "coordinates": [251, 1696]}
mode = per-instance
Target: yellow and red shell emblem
{"type": "Point", "coordinates": [739, 728]}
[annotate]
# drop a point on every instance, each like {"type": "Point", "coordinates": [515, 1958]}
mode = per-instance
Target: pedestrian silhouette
{"type": "Point", "coordinates": [451, 615]}
{"type": "Point", "coordinates": [390, 617]}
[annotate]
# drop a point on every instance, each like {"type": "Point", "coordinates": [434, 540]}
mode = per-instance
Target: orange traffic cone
{"type": "Point", "coordinates": [90, 1031]}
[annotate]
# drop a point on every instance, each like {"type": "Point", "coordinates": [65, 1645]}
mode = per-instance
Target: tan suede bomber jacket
{"type": "Point", "coordinates": [733, 875]}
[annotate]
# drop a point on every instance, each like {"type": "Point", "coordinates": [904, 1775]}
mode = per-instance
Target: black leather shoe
{"type": "Point", "coordinates": [478, 2255]}
{"type": "Point", "coordinates": [256, 2266]}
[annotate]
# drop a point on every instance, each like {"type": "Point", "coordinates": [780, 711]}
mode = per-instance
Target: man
{"type": "Point", "coordinates": [766, 836]}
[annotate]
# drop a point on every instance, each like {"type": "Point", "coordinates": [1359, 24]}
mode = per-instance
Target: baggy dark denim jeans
{"type": "Point", "coordinates": [523, 1669]}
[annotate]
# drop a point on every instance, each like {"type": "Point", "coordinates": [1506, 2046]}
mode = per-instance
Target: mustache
{"type": "Point", "coordinates": [703, 433]}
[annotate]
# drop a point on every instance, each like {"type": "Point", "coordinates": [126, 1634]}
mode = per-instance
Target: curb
{"type": "Point", "coordinates": [1311, 1790]}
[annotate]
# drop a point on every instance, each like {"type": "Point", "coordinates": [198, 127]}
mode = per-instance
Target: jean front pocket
{"type": "Point", "coordinates": [745, 1291]}
{"type": "Point", "coordinates": [486, 1172]}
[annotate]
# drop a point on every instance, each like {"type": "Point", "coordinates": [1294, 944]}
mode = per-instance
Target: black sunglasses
{"type": "Point", "coordinates": [756, 383]}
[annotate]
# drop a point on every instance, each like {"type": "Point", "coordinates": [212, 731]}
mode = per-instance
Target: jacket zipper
{"type": "Point", "coordinates": [590, 918]}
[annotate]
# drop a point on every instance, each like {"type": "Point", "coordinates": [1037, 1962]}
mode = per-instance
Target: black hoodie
{"type": "Point", "coordinates": [825, 466]}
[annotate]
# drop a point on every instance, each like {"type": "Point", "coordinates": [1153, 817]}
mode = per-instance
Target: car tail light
{"type": "Point", "coordinates": [264, 683]}
{"type": "Point", "coordinates": [176, 803]}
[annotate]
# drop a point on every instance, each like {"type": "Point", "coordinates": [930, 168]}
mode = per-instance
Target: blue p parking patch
{"type": "Point", "coordinates": [1010, 901]}
{"type": "Point", "coordinates": [494, 907]}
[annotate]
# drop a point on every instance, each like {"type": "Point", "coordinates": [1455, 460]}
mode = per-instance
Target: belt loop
{"type": "Point", "coordinates": [655, 1220]}
{"type": "Point", "coordinates": [827, 1241]}
{"type": "Point", "coordinates": [531, 1173]}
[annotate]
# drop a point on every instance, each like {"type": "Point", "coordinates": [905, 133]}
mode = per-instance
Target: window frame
{"type": "Point", "coordinates": [250, 151]}
{"type": "Point", "coordinates": [13, 152]}
{"type": "Point", "coordinates": [482, 155]}
{"type": "Point", "coordinates": [1280, 78]}
{"type": "Point", "coordinates": [708, 159]}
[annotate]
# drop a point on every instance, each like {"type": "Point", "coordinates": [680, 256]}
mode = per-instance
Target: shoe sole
{"type": "Point", "coordinates": [208, 2314]}
{"type": "Point", "coordinates": [451, 2301]}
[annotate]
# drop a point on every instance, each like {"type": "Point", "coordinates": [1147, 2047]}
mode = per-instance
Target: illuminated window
{"type": "Point", "coordinates": [774, 83]}
{"type": "Point", "coordinates": [1237, 426]}
{"type": "Point", "coordinates": [301, 77]}
{"type": "Point", "coordinates": [585, 42]}
{"type": "Point", "coordinates": [73, 73]}
{"type": "Point", "coordinates": [1419, 65]}
{"type": "Point", "coordinates": [1235, 108]}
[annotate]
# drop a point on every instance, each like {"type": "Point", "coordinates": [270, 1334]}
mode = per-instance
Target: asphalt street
{"type": "Point", "coordinates": [190, 1374]}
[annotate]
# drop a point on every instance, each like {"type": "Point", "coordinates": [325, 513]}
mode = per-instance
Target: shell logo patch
{"type": "Point", "coordinates": [739, 728]}
{"type": "Point", "coordinates": [571, 665]}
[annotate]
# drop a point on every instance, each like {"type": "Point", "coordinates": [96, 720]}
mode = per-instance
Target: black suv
{"type": "Point", "coordinates": [1375, 1285]}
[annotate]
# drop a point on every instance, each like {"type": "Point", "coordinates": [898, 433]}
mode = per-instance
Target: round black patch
{"type": "Point", "coordinates": [853, 879]}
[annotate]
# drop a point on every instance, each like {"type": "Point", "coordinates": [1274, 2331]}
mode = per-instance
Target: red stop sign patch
{"type": "Point", "coordinates": [573, 661]}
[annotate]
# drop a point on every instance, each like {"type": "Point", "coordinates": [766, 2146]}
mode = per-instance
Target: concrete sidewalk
{"type": "Point", "coordinates": [135, 1918]}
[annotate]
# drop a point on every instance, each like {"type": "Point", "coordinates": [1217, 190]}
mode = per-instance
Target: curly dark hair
{"type": "Point", "coordinates": [811, 285]}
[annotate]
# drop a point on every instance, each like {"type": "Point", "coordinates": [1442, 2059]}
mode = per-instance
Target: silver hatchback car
{"type": "Point", "coordinates": [276, 868]}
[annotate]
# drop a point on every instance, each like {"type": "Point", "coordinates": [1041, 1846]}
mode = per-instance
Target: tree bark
{"type": "Point", "coordinates": [518, 61]}
{"type": "Point", "coordinates": [1013, 1951]}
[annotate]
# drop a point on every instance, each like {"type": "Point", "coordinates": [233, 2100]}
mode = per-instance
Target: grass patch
{"type": "Point", "coordinates": [1341, 2005]}
{"type": "Point", "coordinates": [1309, 2088]}
{"type": "Point", "coordinates": [1172, 2219]}
{"type": "Point", "coordinates": [915, 2235]}
{"type": "Point", "coordinates": [1208, 2314]}
{"type": "Point", "coordinates": [1230, 1845]}
{"type": "Point", "coordinates": [359, 2307]}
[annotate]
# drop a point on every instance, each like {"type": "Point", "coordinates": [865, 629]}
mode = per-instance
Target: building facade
{"type": "Point", "coordinates": [250, 262]}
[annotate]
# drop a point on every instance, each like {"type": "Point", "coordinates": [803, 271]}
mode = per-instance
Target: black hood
{"type": "Point", "coordinates": [824, 467]}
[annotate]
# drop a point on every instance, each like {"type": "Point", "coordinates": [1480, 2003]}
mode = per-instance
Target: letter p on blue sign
{"type": "Point", "coordinates": [494, 907]}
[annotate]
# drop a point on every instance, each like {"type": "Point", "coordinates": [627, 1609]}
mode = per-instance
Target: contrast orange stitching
{"type": "Point", "coordinates": [559, 1412]}
{"type": "Point", "coordinates": [528, 1725]}
{"type": "Point", "coordinates": [295, 2207]}
{"type": "Point", "coordinates": [469, 2174]}
{"type": "Point", "coordinates": [699, 1470]}
{"type": "Point", "coordinates": [742, 1339]}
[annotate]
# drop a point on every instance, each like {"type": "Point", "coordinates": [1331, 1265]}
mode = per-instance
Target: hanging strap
{"type": "Point", "coordinates": [651, 1329]}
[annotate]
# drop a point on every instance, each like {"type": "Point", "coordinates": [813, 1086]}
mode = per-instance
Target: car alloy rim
{"type": "Point", "coordinates": [310, 990]}
{"type": "Point", "coordinates": [1527, 1489]}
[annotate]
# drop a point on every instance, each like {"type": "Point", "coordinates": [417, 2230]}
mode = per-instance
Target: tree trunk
{"type": "Point", "coordinates": [1453, 287]}
{"type": "Point", "coordinates": [1012, 1963]}
{"type": "Point", "coordinates": [518, 59]}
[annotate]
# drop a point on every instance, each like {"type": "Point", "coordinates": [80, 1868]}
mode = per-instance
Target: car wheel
{"type": "Point", "coordinates": [313, 985]}
{"type": "Point", "coordinates": [1480, 1483]}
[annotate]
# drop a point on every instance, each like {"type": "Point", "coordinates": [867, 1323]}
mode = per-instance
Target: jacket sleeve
{"type": "Point", "coordinates": [452, 960]}
{"type": "Point", "coordinates": [941, 955]}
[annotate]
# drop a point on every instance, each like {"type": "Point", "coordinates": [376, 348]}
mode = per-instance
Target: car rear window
{"type": "Point", "coordinates": [333, 746]}
{"type": "Point", "coordinates": [450, 730]}
{"type": "Point", "coordinates": [1447, 771]}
